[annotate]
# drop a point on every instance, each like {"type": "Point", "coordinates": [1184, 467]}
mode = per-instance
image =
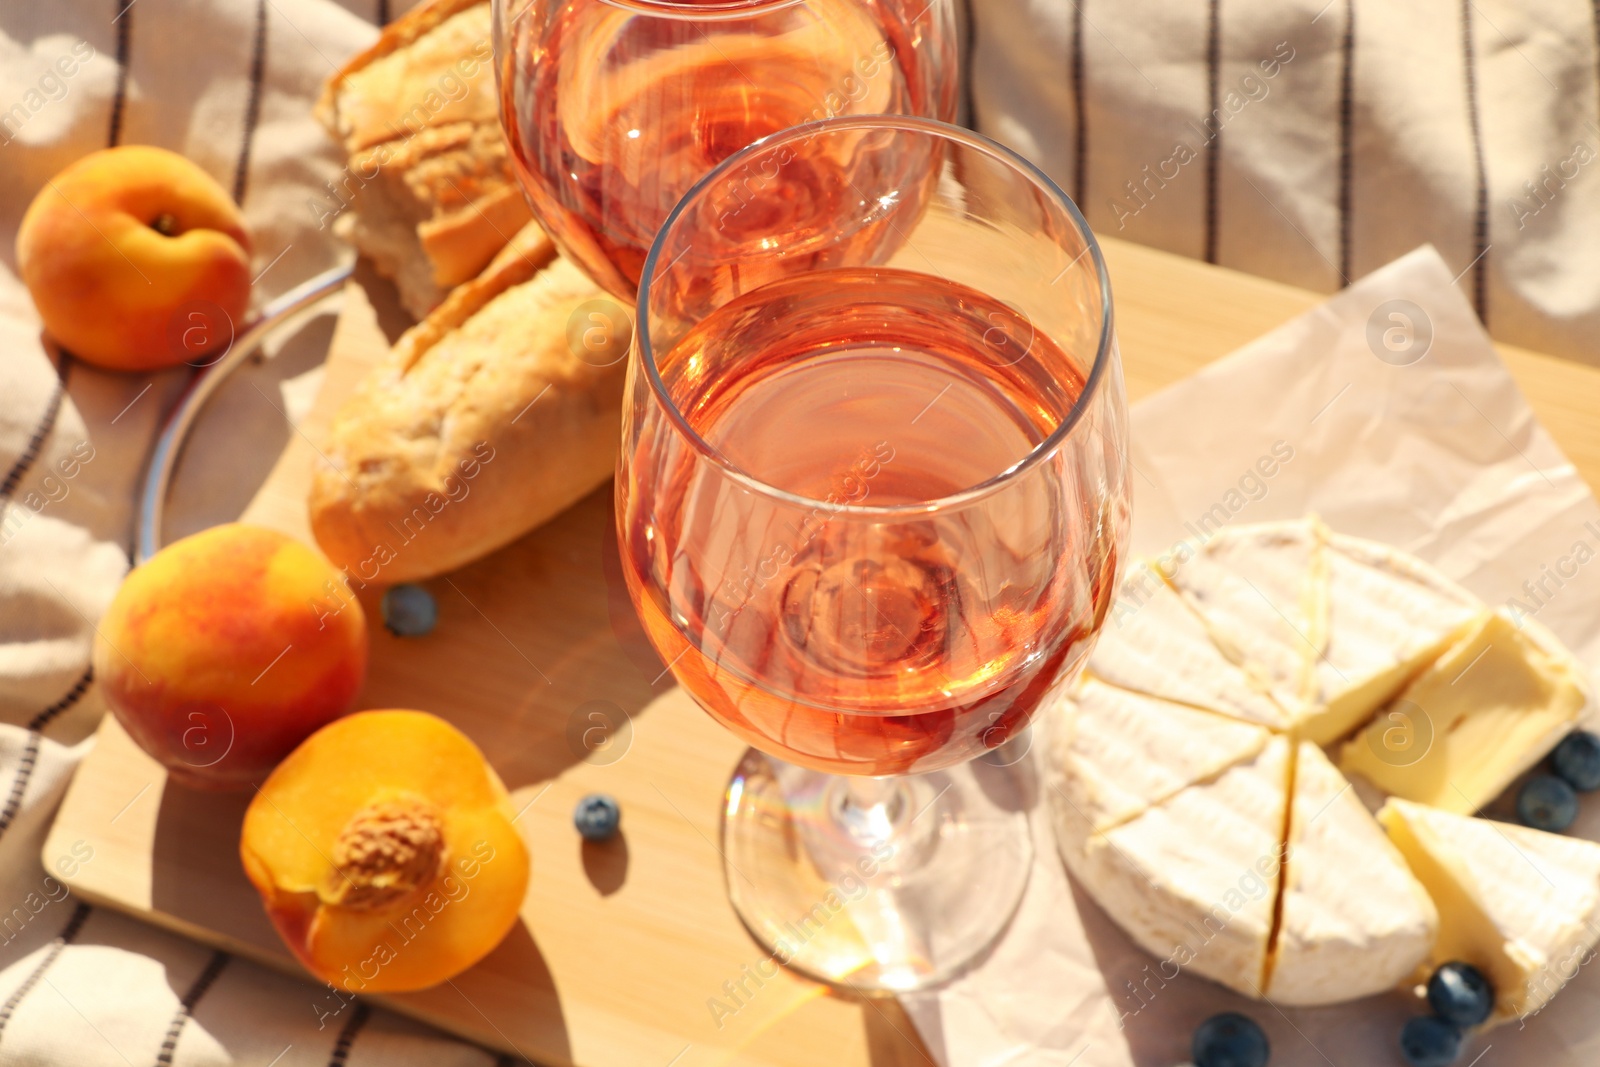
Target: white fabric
{"type": "Point", "coordinates": [1413, 171]}
{"type": "Point", "coordinates": [112, 996]}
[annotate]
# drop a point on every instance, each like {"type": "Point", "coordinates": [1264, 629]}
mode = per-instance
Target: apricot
{"type": "Point", "coordinates": [136, 259]}
{"type": "Point", "coordinates": [384, 851]}
{"type": "Point", "coordinates": [227, 649]}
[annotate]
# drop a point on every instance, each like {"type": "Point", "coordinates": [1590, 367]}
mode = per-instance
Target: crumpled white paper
{"type": "Point", "coordinates": [1400, 424]}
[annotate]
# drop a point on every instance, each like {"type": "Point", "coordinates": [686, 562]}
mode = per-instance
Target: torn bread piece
{"type": "Point", "coordinates": [483, 422]}
{"type": "Point", "coordinates": [427, 193]}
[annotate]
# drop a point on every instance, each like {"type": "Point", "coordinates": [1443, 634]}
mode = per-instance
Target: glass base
{"type": "Point", "coordinates": [879, 886]}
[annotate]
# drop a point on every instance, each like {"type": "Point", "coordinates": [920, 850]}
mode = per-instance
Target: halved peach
{"type": "Point", "coordinates": [384, 851]}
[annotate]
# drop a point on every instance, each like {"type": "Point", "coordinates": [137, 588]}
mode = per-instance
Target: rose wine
{"type": "Point", "coordinates": [613, 112]}
{"type": "Point", "coordinates": [833, 618]}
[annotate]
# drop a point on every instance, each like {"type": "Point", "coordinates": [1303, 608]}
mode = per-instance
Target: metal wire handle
{"type": "Point", "coordinates": [169, 444]}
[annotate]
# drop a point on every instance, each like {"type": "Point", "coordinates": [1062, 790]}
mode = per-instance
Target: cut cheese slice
{"type": "Point", "coordinates": [1259, 590]}
{"type": "Point", "coordinates": [1194, 878]}
{"type": "Point", "coordinates": [1353, 920]}
{"type": "Point", "coordinates": [1484, 712]}
{"type": "Point", "coordinates": [1521, 905]}
{"type": "Point", "coordinates": [1154, 644]}
{"type": "Point", "coordinates": [1389, 615]}
{"type": "Point", "coordinates": [1114, 753]}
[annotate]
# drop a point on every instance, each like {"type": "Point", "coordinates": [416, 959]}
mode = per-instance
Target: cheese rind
{"type": "Point", "coordinates": [1353, 919]}
{"type": "Point", "coordinates": [1155, 644]}
{"type": "Point", "coordinates": [1258, 590]}
{"type": "Point", "coordinates": [1113, 754]}
{"type": "Point", "coordinates": [1193, 879]}
{"type": "Point", "coordinates": [1388, 616]}
{"type": "Point", "coordinates": [1484, 712]}
{"type": "Point", "coordinates": [1521, 905]}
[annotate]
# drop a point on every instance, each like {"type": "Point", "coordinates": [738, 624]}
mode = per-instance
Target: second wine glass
{"type": "Point", "coordinates": [614, 108]}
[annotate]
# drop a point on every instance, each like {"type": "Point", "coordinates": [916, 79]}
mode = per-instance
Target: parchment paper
{"type": "Point", "coordinates": [1425, 443]}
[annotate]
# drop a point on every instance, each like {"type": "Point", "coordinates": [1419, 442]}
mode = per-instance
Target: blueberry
{"type": "Point", "coordinates": [409, 611]}
{"type": "Point", "coordinates": [1230, 1040]}
{"type": "Point", "coordinates": [1577, 759]}
{"type": "Point", "coordinates": [1428, 1041]}
{"type": "Point", "coordinates": [596, 817]}
{"type": "Point", "coordinates": [1547, 803]}
{"type": "Point", "coordinates": [1459, 993]}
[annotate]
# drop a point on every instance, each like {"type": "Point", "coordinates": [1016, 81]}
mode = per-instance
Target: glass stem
{"type": "Point", "coordinates": [872, 811]}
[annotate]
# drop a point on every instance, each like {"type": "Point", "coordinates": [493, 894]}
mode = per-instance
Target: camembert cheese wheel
{"type": "Point", "coordinates": [1192, 796]}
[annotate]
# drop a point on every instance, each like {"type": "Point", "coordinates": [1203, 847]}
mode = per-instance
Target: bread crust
{"type": "Point", "coordinates": [431, 194]}
{"type": "Point", "coordinates": [482, 423]}
{"type": "Point", "coordinates": [402, 33]}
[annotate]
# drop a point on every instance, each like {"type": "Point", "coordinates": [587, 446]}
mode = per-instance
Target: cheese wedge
{"type": "Point", "coordinates": [1388, 616]}
{"type": "Point", "coordinates": [1521, 905]}
{"type": "Point", "coordinates": [1259, 591]}
{"type": "Point", "coordinates": [1155, 644]}
{"type": "Point", "coordinates": [1193, 879]}
{"type": "Point", "coordinates": [1484, 712]}
{"type": "Point", "coordinates": [1113, 754]}
{"type": "Point", "coordinates": [1353, 920]}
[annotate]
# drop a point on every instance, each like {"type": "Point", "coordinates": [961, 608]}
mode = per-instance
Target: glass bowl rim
{"type": "Point", "coordinates": [729, 10]}
{"type": "Point", "coordinates": [1105, 352]}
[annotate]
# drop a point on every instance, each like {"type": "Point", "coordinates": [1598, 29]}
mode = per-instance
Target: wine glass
{"type": "Point", "coordinates": [613, 108]}
{"type": "Point", "coordinates": [871, 501]}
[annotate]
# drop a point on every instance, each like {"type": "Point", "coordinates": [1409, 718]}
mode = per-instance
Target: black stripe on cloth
{"type": "Point", "coordinates": [347, 1035]}
{"type": "Point", "coordinates": [1480, 221]}
{"type": "Point", "coordinates": [47, 422]}
{"type": "Point", "coordinates": [197, 989]}
{"type": "Point", "coordinates": [1080, 125]}
{"type": "Point", "coordinates": [68, 934]}
{"type": "Point", "coordinates": [119, 97]}
{"type": "Point", "coordinates": [43, 719]}
{"type": "Point", "coordinates": [30, 752]}
{"type": "Point", "coordinates": [252, 107]}
{"type": "Point", "coordinates": [1213, 121]}
{"type": "Point", "coordinates": [19, 784]}
{"type": "Point", "coordinates": [1347, 68]}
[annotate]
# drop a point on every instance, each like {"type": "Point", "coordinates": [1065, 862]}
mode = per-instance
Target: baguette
{"type": "Point", "coordinates": [480, 424]}
{"type": "Point", "coordinates": [427, 194]}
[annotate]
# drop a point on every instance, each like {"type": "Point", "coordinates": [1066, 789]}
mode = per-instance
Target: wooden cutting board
{"type": "Point", "coordinates": [621, 946]}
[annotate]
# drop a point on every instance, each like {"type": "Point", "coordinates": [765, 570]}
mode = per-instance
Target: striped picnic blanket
{"type": "Point", "coordinates": [1313, 141]}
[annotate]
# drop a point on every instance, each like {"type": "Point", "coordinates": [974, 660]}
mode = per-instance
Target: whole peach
{"type": "Point", "coordinates": [227, 649]}
{"type": "Point", "coordinates": [136, 259]}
